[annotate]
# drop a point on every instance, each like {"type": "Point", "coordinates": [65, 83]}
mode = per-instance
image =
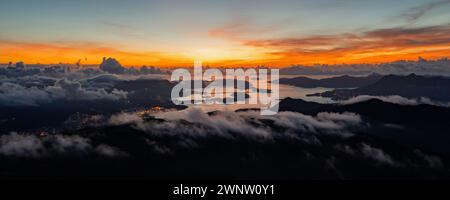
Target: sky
{"type": "Point", "coordinates": [225, 33]}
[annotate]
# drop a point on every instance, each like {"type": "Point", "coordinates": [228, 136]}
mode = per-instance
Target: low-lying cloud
{"type": "Point", "coordinates": [32, 146]}
{"type": "Point", "coordinates": [396, 99]}
{"type": "Point", "coordinates": [250, 123]}
{"type": "Point", "coordinates": [35, 90]}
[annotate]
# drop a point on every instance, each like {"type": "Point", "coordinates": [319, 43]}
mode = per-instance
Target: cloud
{"type": "Point", "coordinates": [36, 90]}
{"type": "Point", "coordinates": [91, 52]}
{"type": "Point", "coordinates": [433, 161]}
{"type": "Point", "coordinates": [345, 117]}
{"type": "Point", "coordinates": [399, 37]}
{"type": "Point", "coordinates": [121, 29]}
{"type": "Point", "coordinates": [250, 124]}
{"type": "Point", "coordinates": [367, 151]}
{"type": "Point", "coordinates": [17, 145]}
{"type": "Point", "coordinates": [125, 118]}
{"type": "Point", "coordinates": [435, 67]}
{"type": "Point", "coordinates": [416, 13]}
{"type": "Point", "coordinates": [31, 146]}
{"type": "Point", "coordinates": [311, 43]}
{"type": "Point", "coordinates": [189, 130]}
{"type": "Point", "coordinates": [67, 89]}
{"type": "Point", "coordinates": [109, 151]}
{"type": "Point", "coordinates": [379, 45]}
{"type": "Point", "coordinates": [241, 27]}
{"type": "Point", "coordinates": [65, 144]}
{"type": "Point", "coordinates": [224, 124]}
{"type": "Point", "coordinates": [194, 132]}
{"type": "Point", "coordinates": [326, 123]}
{"type": "Point", "coordinates": [111, 65]}
{"type": "Point", "coordinates": [396, 99]}
{"type": "Point", "coordinates": [13, 94]}
{"type": "Point", "coordinates": [376, 154]}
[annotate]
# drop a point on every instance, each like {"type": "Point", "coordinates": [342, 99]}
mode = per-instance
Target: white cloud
{"type": "Point", "coordinates": [396, 99]}
{"type": "Point", "coordinates": [195, 122]}
{"type": "Point", "coordinates": [13, 94]}
{"type": "Point", "coordinates": [17, 145]}
{"type": "Point", "coordinates": [109, 151]}
{"type": "Point", "coordinates": [31, 146]}
{"type": "Point", "coordinates": [63, 89]}
{"type": "Point", "coordinates": [376, 154]}
{"type": "Point", "coordinates": [125, 118]}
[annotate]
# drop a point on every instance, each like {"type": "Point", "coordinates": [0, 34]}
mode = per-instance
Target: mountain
{"type": "Point", "coordinates": [328, 70]}
{"type": "Point", "coordinates": [141, 94]}
{"type": "Point", "coordinates": [334, 82]}
{"type": "Point", "coordinates": [419, 125]}
{"type": "Point", "coordinates": [390, 141]}
{"type": "Point", "coordinates": [411, 86]}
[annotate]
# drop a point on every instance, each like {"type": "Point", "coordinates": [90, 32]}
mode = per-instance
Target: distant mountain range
{"type": "Point", "coordinates": [334, 82]}
{"type": "Point", "coordinates": [411, 86]}
{"type": "Point", "coordinates": [402, 67]}
{"type": "Point", "coordinates": [419, 125]}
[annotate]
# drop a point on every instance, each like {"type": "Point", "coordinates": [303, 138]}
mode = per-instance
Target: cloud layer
{"type": "Point", "coordinates": [395, 99]}
{"type": "Point", "coordinates": [63, 89]}
{"type": "Point", "coordinates": [32, 146]}
{"type": "Point", "coordinates": [379, 45]}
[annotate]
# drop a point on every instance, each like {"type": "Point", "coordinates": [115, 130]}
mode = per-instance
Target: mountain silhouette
{"type": "Point", "coordinates": [411, 86]}
{"type": "Point", "coordinates": [334, 82]}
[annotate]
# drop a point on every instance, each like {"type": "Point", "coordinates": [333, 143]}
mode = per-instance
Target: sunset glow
{"type": "Point", "coordinates": [267, 33]}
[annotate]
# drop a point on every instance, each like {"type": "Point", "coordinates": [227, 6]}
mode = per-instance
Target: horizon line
{"type": "Point", "coordinates": [205, 64]}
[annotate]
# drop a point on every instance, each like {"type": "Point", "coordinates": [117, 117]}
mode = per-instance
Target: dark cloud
{"type": "Point", "coordinates": [399, 37]}
{"type": "Point", "coordinates": [416, 13]}
{"type": "Point", "coordinates": [433, 161]}
{"type": "Point", "coordinates": [121, 29]}
{"type": "Point", "coordinates": [241, 27]}
{"type": "Point", "coordinates": [109, 151]}
{"type": "Point", "coordinates": [380, 45]}
{"type": "Point", "coordinates": [377, 154]}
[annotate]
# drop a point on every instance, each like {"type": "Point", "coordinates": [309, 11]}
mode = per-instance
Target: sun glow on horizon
{"type": "Point", "coordinates": [50, 54]}
{"type": "Point", "coordinates": [224, 33]}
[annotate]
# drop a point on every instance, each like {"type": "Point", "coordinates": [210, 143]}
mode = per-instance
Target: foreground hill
{"type": "Point", "coordinates": [365, 140]}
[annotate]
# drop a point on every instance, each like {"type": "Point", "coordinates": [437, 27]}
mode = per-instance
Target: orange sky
{"type": "Point", "coordinates": [52, 54]}
{"type": "Point", "coordinates": [223, 33]}
{"type": "Point", "coordinates": [383, 45]}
